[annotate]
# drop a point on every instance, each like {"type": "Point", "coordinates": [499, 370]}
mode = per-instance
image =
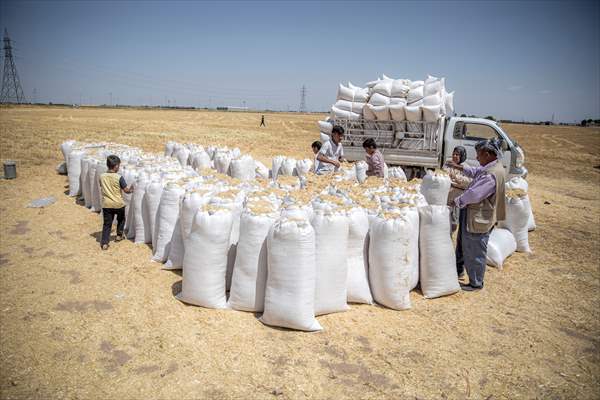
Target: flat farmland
{"type": "Point", "coordinates": [78, 323]}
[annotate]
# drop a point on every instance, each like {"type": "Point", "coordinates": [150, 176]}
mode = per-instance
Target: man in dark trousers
{"type": "Point", "coordinates": [262, 121]}
{"type": "Point", "coordinates": [481, 206]}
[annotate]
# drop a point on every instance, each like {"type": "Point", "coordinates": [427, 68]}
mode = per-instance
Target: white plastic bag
{"type": "Point", "coordinates": [74, 171]}
{"type": "Point", "coordinates": [66, 148]}
{"type": "Point", "coordinates": [140, 220]}
{"type": "Point", "coordinates": [177, 248]}
{"type": "Point", "coordinates": [435, 187]}
{"type": "Point", "coordinates": [276, 166]}
{"type": "Point", "coordinates": [358, 247]}
{"type": "Point", "coordinates": [517, 218]}
{"type": "Point", "coordinates": [222, 161]}
{"type": "Point", "coordinates": [389, 260]}
{"type": "Point", "coordinates": [501, 245]}
{"type": "Point", "coordinates": [287, 167]}
{"type": "Point", "coordinates": [261, 170]}
{"type": "Point", "coordinates": [150, 207]}
{"type": "Point", "coordinates": [331, 238]}
{"type": "Point", "coordinates": [201, 160]}
{"type": "Point", "coordinates": [167, 215]}
{"type": "Point", "coordinates": [243, 168]}
{"type": "Point", "coordinates": [361, 168]}
{"type": "Point", "coordinates": [378, 99]}
{"type": "Point", "coordinates": [183, 155]}
{"type": "Point", "coordinates": [205, 260]}
{"type": "Point", "coordinates": [438, 262]}
{"type": "Point", "coordinates": [290, 291]}
{"type": "Point", "coordinates": [397, 173]}
{"type": "Point", "coordinates": [325, 126]}
{"type": "Point", "coordinates": [303, 167]}
{"type": "Point", "coordinates": [415, 94]}
{"type": "Point", "coordinates": [250, 271]}
{"type": "Point", "coordinates": [521, 184]}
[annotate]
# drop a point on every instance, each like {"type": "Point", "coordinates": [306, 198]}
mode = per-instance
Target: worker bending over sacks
{"type": "Point", "coordinates": [481, 206]}
{"type": "Point", "coordinates": [331, 153]}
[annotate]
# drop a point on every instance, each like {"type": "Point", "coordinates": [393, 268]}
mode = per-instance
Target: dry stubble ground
{"type": "Point", "coordinates": [80, 323]}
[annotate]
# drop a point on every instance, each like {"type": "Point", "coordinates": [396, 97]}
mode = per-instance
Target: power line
{"type": "Point", "coordinates": [12, 92]}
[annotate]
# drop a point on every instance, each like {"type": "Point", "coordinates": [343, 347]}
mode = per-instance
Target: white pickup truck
{"type": "Point", "coordinates": [417, 146]}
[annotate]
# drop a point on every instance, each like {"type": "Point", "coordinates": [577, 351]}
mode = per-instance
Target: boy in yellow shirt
{"type": "Point", "coordinates": [111, 184]}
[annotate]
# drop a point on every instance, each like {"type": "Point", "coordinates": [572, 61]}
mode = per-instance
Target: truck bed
{"type": "Point", "coordinates": [401, 143]}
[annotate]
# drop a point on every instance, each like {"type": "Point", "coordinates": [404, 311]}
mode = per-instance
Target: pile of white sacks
{"type": "Point", "coordinates": [405, 107]}
{"type": "Point", "coordinates": [285, 242]}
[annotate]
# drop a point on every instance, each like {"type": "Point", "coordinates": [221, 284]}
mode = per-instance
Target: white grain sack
{"type": "Point", "coordinates": [205, 260]}
{"type": "Point", "coordinates": [501, 245]}
{"type": "Point", "coordinates": [331, 238]}
{"type": "Point", "coordinates": [435, 187]}
{"type": "Point", "coordinates": [150, 207]}
{"type": "Point", "coordinates": [74, 171]}
{"type": "Point", "coordinates": [250, 271]}
{"type": "Point", "coordinates": [358, 271]}
{"type": "Point", "coordinates": [290, 291]}
{"type": "Point", "coordinates": [166, 219]}
{"type": "Point", "coordinates": [389, 260]}
{"type": "Point", "coordinates": [140, 220]}
{"type": "Point", "coordinates": [438, 262]}
{"type": "Point", "coordinates": [517, 214]}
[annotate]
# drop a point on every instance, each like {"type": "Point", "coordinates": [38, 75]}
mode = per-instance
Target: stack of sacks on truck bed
{"type": "Point", "coordinates": [403, 104]}
{"type": "Point", "coordinates": [294, 246]}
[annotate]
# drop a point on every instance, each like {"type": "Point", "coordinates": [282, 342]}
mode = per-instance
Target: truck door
{"type": "Point", "coordinates": [467, 134]}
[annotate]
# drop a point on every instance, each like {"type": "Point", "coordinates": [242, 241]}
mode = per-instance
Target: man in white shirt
{"type": "Point", "coordinates": [331, 153]}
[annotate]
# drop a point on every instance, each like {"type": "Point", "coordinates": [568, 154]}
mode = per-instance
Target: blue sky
{"type": "Point", "coordinates": [518, 60]}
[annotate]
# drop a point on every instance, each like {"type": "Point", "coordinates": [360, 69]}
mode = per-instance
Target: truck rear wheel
{"type": "Point", "coordinates": [414, 172]}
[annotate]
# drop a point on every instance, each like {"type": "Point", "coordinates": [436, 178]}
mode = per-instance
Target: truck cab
{"type": "Point", "coordinates": [467, 132]}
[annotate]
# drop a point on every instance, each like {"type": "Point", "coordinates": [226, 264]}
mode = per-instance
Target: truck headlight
{"type": "Point", "coordinates": [520, 158]}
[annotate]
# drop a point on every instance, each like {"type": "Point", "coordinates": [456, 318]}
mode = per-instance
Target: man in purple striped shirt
{"type": "Point", "coordinates": [374, 158]}
{"type": "Point", "coordinates": [481, 205]}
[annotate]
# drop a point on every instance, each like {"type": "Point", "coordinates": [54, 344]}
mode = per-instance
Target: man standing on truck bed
{"type": "Point", "coordinates": [481, 206]}
{"type": "Point", "coordinates": [331, 153]}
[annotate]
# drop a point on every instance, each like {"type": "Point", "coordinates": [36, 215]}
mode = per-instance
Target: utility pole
{"type": "Point", "coordinates": [110, 95]}
{"type": "Point", "coordinates": [12, 92]}
{"type": "Point", "coordinates": [34, 95]}
{"type": "Point", "coordinates": [302, 99]}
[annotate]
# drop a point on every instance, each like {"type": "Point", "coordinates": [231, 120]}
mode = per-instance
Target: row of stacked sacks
{"type": "Point", "coordinates": [292, 247]}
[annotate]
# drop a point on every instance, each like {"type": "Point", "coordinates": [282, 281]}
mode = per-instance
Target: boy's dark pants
{"type": "Point", "coordinates": [108, 214]}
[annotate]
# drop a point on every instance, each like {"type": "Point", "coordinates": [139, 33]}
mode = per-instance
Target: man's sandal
{"type": "Point", "coordinates": [119, 238]}
{"type": "Point", "coordinates": [104, 247]}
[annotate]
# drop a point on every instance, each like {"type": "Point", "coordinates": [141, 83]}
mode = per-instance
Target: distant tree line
{"type": "Point", "coordinates": [585, 122]}
{"type": "Point", "coordinates": [590, 122]}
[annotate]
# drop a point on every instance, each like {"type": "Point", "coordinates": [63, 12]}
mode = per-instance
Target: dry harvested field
{"type": "Point", "coordinates": [79, 323]}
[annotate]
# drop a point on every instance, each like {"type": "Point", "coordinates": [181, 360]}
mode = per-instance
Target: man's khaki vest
{"type": "Point", "coordinates": [482, 217]}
